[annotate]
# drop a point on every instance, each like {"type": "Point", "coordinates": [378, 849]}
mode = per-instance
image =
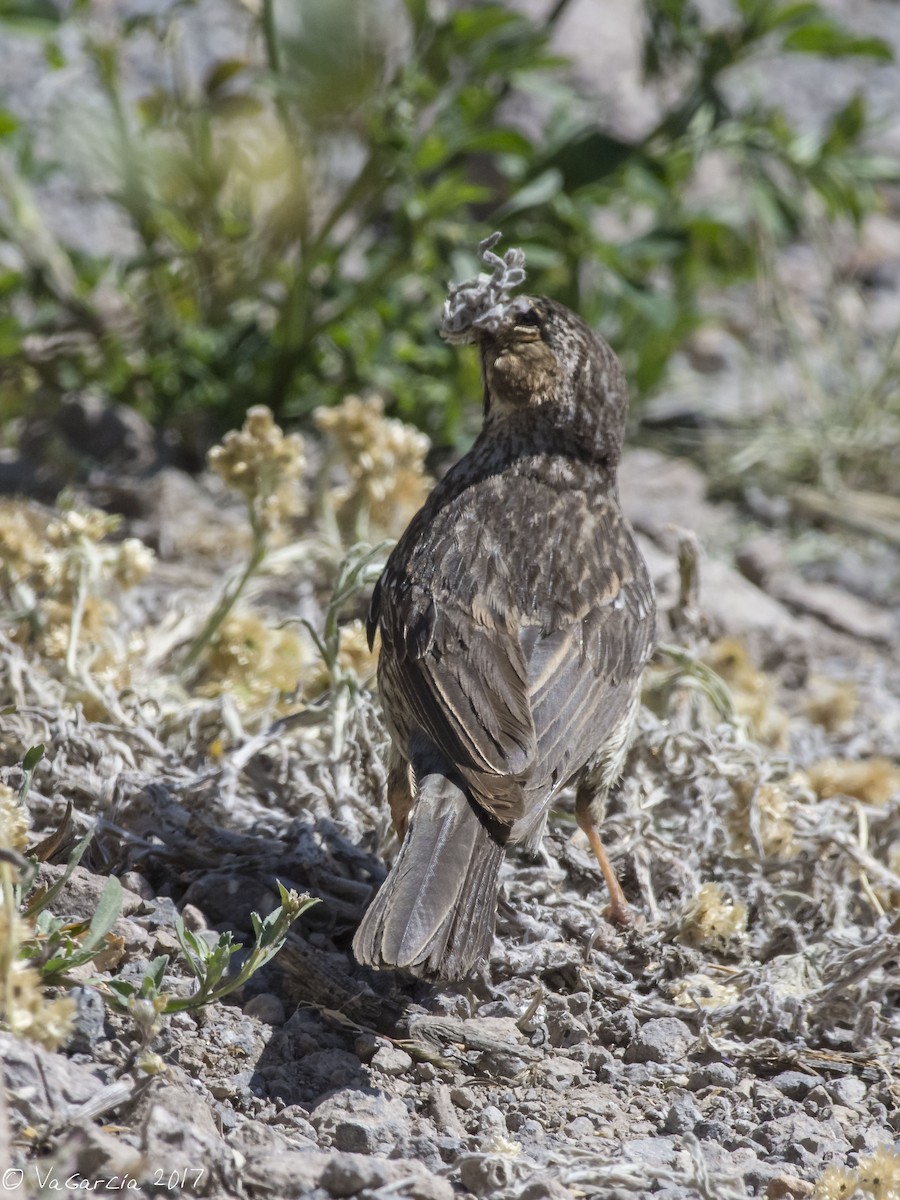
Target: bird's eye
{"type": "Point", "coordinates": [529, 319]}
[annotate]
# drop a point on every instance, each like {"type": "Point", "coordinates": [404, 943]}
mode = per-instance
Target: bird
{"type": "Point", "coordinates": [516, 615]}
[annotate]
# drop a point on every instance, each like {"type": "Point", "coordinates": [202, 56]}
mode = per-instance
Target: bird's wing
{"type": "Point", "coordinates": [465, 685]}
{"type": "Point", "coordinates": [510, 680]}
{"type": "Point", "coordinates": [582, 674]}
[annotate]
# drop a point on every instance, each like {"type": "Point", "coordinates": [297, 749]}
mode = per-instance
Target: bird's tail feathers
{"type": "Point", "coordinates": [434, 914]}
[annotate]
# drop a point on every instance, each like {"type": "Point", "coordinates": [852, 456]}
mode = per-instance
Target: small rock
{"type": "Point", "coordinates": [713, 1131]}
{"type": "Point", "coordinates": [491, 1120]}
{"type": "Point", "coordinates": [462, 1098]}
{"type": "Point", "coordinates": [682, 1116]}
{"type": "Point", "coordinates": [849, 1091]}
{"type": "Point", "coordinates": [795, 1084]}
{"type": "Point", "coordinates": [580, 1128]}
{"type": "Point", "coordinates": [788, 1187]}
{"type": "Point", "coordinates": [265, 1007]}
{"type": "Point", "coordinates": [90, 1019]}
{"type": "Point", "coordinates": [662, 1040]}
{"type": "Point", "coordinates": [426, 1072]}
{"type": "Point", "coordinates": [347, 1174]}
{"type": "Point", "coordinates": [716, 1074]}
{"type": "Point", "coordinates": [391, 1060]}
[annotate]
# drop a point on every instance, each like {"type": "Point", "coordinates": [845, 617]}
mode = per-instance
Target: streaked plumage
{"type": "Point", "coordinates": [516, 616]}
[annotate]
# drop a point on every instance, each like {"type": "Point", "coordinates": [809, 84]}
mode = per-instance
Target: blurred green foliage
{"type": "Point", "coordinates": [294, 216]}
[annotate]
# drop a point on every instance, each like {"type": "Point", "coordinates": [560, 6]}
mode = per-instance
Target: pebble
{"type": "Point", "coordinates": [265, 1007]}
{"type": "Point", "coordinates": [581, 1127]}
{"type": "Point", "coordinates": [89, 1020]}
{"type": "Point", "coordinates": [713, 1131]}
{"type": "Point", "coordinates": [849, 1091]}
{"type": "Point", "coordinates": [682, 1116]}
{"type": "Point", "coordinates": [391, 1060]}
{"type": "Point", "coordinates": [795, 1084]}
{"type": "Point", "coordinates": [462, 1098]}
{"type": "Point", "coordinates": [715, 1074]}
{"type": "Point", "coordinates": [662, 1040]}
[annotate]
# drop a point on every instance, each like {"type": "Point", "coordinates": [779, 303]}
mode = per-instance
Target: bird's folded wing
{"type": "Point", "coordinates": [467, 686]}
{"type": "Point", "coordinates": [582, 676]}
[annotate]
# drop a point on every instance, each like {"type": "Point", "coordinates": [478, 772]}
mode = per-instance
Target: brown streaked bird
{"type": "Point", "coordinates": [516, 616]}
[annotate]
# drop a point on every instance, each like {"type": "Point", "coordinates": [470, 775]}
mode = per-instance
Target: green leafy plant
{"type": "Point", "coordinates": [209, 963]}
{"type": "Point", "coordinates": [296, 214]}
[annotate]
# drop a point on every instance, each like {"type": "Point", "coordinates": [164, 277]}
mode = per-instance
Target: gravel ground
{"type": "Point", "coordinates": [740, 1041]}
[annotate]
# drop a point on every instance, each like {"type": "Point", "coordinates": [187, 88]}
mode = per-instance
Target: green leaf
{"type": "Point", "coordinates": [46, 899]}
{"type": "Point", "coordinates": [106, 914]}
{"type": "Point", "coordinates": [534, 194]}
{"type": "Point", "coordinates": [589, 157]}
{"type": "Point", "coordinates": [8, 123]}
{"type": "Point", "coordinates": [220, 73]}
{"type": "Point", "coordinates": [790, 14]}
{"type": "Point", "coordinates": [831, 41]}
{"type": "Point", "coordinates": [33, 757]}
{"type": "Point", "coordinates": [475, 24]}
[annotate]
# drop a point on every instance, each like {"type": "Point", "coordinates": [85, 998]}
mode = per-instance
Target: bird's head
{"type": "Point", "coordinates": [543, 358]}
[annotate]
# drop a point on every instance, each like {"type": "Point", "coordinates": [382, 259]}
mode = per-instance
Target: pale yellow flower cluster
{"type": "Point", "coordinates": [384, 460]}
{"type": "Point", "coordinates": [14, 823]}
{"type": "Point", "coordinates": [58, 571]}
{"type": "Point", "coordinates": [712, 919]}
{"type": "Point", "coordinates": [265, 466]}
{"type": "Point", "coordinates": [876, 1175]}
{"type": "Point", "coordinates": [354, 657]}
{"type": "Point", "coordinates": [28, 1013]}
{"type": "Point", "coordinates": [251, 661]}
{"type": "Point", "coordinates": [23, 1009]}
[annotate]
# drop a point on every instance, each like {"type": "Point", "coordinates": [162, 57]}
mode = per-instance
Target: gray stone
{"type": "Point", "coordinates": [662, 1040]}
{"type": "Point", "coordinates": [795, 1084]}
{"type": "Point", "coordinates": [348, 1174]}
{"type": "Point", "coordinates": [288, 1174]}
{"type": "Point", "coordinates": [391, 1060]}
{"type": "Point", "coordinates": [265, 1007]}
{"type": "Point", "coordinates": [90, 1019]}
{"type": "Point", "coordinates": [361, 1122]}
{"type": "Point", "coordinates": [714, 1074]}
{"type": "Point", "coordinates": [849, 1091]}
{"type": "Point", "coordinates": [682, 1116]}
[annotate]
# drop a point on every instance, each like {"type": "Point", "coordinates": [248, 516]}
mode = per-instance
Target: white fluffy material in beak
{"type": "Point", "coordinates": [483, 303]}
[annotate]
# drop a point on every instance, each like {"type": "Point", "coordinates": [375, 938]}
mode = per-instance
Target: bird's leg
{"type": "Point", "coordinates": [618, 911]}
